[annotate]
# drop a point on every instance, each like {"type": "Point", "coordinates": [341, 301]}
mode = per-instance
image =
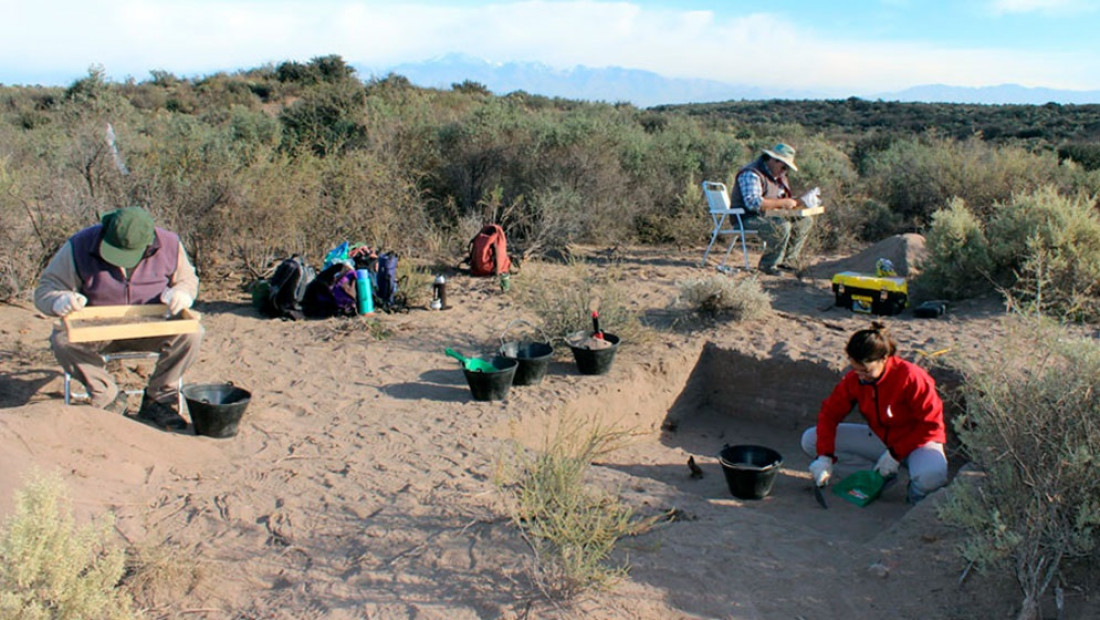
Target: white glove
{"type": "Point", "coordinates": [68, 302]}
{"type": "Point", "coordinates": [822, 470]}
{"type": "Point", "coordinates": [886, 465]}
{"type": "Point", "coordinates": [176, 300]}
{"type": "Point", "coordinates": [812, 198]}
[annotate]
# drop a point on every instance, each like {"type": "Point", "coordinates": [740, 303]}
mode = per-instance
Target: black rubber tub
{"type": "Point", "coordinates": [492, 385]}
{"type": "Point", "coordinates": [750, 470]}
{"type": "Point", "coordinates": [216, 408]}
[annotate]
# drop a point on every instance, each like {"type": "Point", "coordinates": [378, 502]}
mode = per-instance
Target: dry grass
{"type": "Point", "coordinates": [563, 299]}
{"type": "Point", "coordinates": [739, 298]}
{"type": "Point", "coordinates": [572, 527]}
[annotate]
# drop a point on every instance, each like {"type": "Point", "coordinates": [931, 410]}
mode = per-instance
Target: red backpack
{"type": "Point", "coordinates": [489, 252]}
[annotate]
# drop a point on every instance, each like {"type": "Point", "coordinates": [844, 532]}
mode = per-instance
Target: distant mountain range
{"type": "Point", "coordinates": [645, 88]}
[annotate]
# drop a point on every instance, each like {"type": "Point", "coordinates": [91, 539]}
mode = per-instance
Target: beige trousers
{"type": "Point", "coordinates": [84, 362]}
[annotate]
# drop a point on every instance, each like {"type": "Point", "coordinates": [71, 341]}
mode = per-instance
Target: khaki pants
{"type": "Point", "coordinates": [84, 362]}
{"type": "Point", "coordinates": [785, 239]}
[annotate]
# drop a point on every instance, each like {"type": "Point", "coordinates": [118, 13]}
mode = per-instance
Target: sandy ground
{"type": "Point", "coordinates": [361, 483]}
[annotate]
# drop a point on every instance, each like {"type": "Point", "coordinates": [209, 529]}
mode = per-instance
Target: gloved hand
{"type": "Point", "coordinates": [812, 198]}
{"type": "Point", "coordinates": [886, 465]}
{"type": "Point", "coordinates": [68, 302]}
{"type": "Point", "coordinates": [822, 469]}
{"type": "Point", "coordinates": [176, 300]}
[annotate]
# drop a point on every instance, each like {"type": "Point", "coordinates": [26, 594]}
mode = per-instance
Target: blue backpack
{"type": "Point", "coordinates": [385, 284]}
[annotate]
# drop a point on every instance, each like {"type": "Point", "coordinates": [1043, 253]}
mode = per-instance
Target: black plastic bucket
{"type": "Point", "coordinates": [216, 408]}
{"type": "Point", "coordinates": [750, 470]}
{"type": "Point", "coordinates": [533, 358]}
{"type": "Point", "coordinates": [595, 361]}
{"type": "Point", "coordinates": [492, 385]}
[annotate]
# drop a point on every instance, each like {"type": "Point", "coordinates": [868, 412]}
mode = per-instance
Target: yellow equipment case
{"type": "Point", "coordinates": [870, 294]}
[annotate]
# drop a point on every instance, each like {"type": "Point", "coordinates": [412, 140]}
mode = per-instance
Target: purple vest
{"type": "Point", "coordinates": [105, 285]}
{"type": "Point", "coordinates": [773, 187]}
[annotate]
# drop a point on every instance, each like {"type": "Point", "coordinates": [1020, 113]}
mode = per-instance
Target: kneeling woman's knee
{"type": "Point", "coordinates": [925, 482]}
{"type": "Point", "coordinates": [809, 441]}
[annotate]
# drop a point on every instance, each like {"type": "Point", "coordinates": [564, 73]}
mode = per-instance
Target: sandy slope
{"type": "Point", "coordinates": [361, 484]}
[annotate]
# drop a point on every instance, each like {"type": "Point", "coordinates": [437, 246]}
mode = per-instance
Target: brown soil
{"type": "Point", "coordinates": [361, 483]}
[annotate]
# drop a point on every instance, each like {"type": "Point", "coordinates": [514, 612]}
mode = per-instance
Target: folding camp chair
{"type": "Point", "coordinates": [727, 221]}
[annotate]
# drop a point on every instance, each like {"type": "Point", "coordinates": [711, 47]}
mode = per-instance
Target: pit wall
{"type": "Point", "coordinates": [645, 392]}
{"type": "Point", "coordinates": [780, 392]}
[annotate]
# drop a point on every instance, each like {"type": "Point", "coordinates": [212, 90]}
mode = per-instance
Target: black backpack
{"type": "Point", "coordinates": [288, 288]}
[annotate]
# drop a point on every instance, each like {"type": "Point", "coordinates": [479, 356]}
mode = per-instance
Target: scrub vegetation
{"type": "Point", "coordinates": [253, 166]}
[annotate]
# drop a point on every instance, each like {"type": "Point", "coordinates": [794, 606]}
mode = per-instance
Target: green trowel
{"type": "Point", "coordinates": [472, 364]}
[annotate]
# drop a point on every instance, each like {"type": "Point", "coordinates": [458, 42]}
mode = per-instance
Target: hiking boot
{"type": "Point", "coordinates": [161, 415]}
{"type": "Point", "coordinates": [771, 271]}
{"type": "Point", "coordinates": [119, 405]}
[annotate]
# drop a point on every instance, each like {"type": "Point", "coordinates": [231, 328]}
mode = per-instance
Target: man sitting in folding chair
{"type": "Point", "coordinates": [125, 260]}
{"type": "Point", "coordinates": [762, 188]}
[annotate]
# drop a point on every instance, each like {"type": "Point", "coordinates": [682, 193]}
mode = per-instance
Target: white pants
{"type": "Point", "coordinates": [857, 447]}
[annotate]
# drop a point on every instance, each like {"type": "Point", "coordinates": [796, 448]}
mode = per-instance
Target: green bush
{"type": "Point", "coordinates": [958, 263]}
{"type": "Point", "coordinates": [52, 569]}
{"type": "Point", "coordinates": [1045, 249]}
{"type": "Point", "coordinates": [1041, 248]}
{"type": "Point", "coordinates": [919, 175]}
{"type": "Point", "coordinates": [1032, 429]}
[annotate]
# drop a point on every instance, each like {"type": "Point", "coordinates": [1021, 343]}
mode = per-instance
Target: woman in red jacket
{"type": "Point", "coordinates": [904, 417]}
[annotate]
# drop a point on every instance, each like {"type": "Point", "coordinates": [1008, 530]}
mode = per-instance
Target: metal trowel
{"type": "Point", "coordinates": [819, 495]}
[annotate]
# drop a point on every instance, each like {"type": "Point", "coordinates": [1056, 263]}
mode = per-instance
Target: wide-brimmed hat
{"type": "Point", "coordinates": [126, 234]}
{"type": "Point", "coordinates": [784, 153]}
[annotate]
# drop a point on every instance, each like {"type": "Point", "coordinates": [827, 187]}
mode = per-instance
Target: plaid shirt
{"type": "Point", "coordinates": [752, 190]}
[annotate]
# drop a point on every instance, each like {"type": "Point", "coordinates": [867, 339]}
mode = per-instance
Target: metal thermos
{"type": "Point", "coordinates": [439, 293]}
{"type": "Point", "coordinates": [364, 296]}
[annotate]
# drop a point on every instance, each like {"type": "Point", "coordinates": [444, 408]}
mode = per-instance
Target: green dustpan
{"type": "Point", "coordinates": [472, 364]}
{"type": "Point", "coordinates": [861, 488]}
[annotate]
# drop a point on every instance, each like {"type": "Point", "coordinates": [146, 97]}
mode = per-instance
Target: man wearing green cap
{"type": "Point", "coordinates": [761, 187]}
{"type": "Point", "coordinates": [124, 260]}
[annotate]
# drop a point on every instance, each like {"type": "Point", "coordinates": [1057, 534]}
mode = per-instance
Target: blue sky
{"type": "Point", "coordinates": [839, 47]}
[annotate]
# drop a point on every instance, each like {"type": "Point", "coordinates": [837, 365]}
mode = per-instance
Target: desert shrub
{"type": "Point", "coordinates": [415, 284]}
{"type": "Point", "coordinates": [563, 300]}
{"type": "Point", "coordinates": [327, 120]}
{"type": "Point", "coordinates": [741, 299]}
{"type": "Point", "coordinates": [917, 176]}
{"type": "Point", "coordinates": [572, 527]}
{"type": "Point", "coordinates": [1045, 249]}
{"type": "Point", "coordinates": [271, 214]}
{"type": "Point", "coordinates": [958, 263]}
{"type": "Point", "coordinates": [1041, 248]}
{"type": "Point", "coordinates": [50, 567]}
{"type": "Point", "coordinates": [1084, 153]}
{"type": "Point", "coordinates": [1032, 428]}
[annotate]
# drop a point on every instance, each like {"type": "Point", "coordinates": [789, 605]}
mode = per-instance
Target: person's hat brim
{"type": "Point", "coordinates": [782, 158]}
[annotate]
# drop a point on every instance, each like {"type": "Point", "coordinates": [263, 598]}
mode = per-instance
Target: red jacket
{"type": "Point", "coordinates": [901, 407]}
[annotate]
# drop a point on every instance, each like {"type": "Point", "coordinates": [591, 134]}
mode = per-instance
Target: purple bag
{"type": "Point", "coordinates": [332, 293]}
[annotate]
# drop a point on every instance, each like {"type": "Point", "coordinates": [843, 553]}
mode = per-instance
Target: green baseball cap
{"type": "Point", "coordinates": [126, 234]}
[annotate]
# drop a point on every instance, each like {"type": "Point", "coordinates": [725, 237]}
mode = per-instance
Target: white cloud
{"type": "Point", "coordinates": [1001, 7]}
{"type": "Point", "coordinates": [190, 37]}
